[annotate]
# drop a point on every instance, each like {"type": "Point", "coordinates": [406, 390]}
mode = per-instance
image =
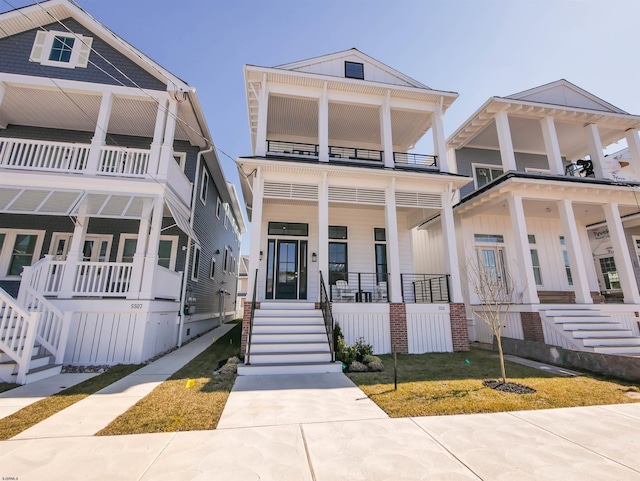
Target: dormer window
{"type": "Point", "coordinates": [354, 70]}
{"type": "Point", "coordinates": [61, 49]}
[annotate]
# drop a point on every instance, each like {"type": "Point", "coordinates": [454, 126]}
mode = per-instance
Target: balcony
{"type": "Point", "coordinates": [300, 150]}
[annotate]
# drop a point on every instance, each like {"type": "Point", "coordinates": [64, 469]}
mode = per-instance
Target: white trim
{"type": "Point", "coordinates": [204, 185]}
{"type": "Point", "coordinates": [212, 268]}
{"type": "Point", "coordinates": [57, 237]}
{"type": "Point", "coordinates": [174, 239]}
{"type": "Point", "coordinates": [180, 158]}
{"type": "Point", "coordinates": [43, 44]}
{"type": "Point", "coordinates": [536, 170]}
{"type": "Point", "coordinates": [6, 254]}
{"type": "Point", "coordinates": [195, 268]}
{"type": "Point", "coordinates": [475, 165]}
{"type": "Point", "coordinates": [218, 206]}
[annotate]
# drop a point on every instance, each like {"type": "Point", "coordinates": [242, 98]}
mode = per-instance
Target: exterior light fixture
{"type": "Point", "coordinates": [314, 257]}
{"type": "Point", "coordinates": [260, 255]}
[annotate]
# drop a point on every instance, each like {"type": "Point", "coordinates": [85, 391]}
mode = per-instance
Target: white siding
{"type": "Point", "coordinates": [428, 329]}
{"type": "Point", "coordinates": [370, 321]}
{"type": "Point", "coordinates": [429, 250]}
{"type": "Point", "coordinates": [512, 328]}
{"type": "Point", "coordinates": [554, 337]}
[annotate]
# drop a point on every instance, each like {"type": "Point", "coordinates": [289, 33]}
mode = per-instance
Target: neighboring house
{"type": "Point", "coordinates": [547, 206]}
{"type": "Point", "coordinates": [243, 283]}
{"type": "Point", "coordinates": [335, 196]}
{"type": "Point", "coordinates": [108, 253]}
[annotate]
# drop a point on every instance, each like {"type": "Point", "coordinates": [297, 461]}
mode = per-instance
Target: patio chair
{"type": "Point", "coordinates": [344, 292]}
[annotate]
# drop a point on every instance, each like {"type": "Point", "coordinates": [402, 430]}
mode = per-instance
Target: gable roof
{"type": "Point", "coordinates": [352, 54]}
{"type": "Point", "coordinates": [563, 92]}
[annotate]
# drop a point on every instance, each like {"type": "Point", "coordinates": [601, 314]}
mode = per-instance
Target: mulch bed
{"type": "Point", "coordinates": [508, 387]}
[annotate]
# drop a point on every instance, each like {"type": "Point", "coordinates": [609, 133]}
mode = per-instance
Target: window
{"type": "Point", "coordinates": [61, 49]}
{"type": "Point", "coordinates": [485, 174]}
{"type": "Point", "coordinates": [18, 249]}
{"type": "Point", "coordinates": [225, 261]}
{"type": "Point", "coordinates": [204, 186]}
{"type": "Point", "coordinates": [195, 266]}
{"type": "Point", "coordinates": [380, 246]}
{"type": "Point", "coordinates": [491, 258]}
{"type": "Point", "coordinates": [535, 260]}
{"type": "Point", "coordinates": [218, 207]}
{"type": "Point", "coordinates": [354, 70]}
{"type": "Point", "coordinates": [128, 249]}
{"type": "Point", "coordinates": [288, 229]}
{"type": "Point", "coordinates": [565, 257]}
{"type": "Point", "coordinates": [165, 248]}
{"type": "Point", "coordinates": [492, 238]}
{"type": "Point", "coordinates": [212, 270]}
{"type": "Point", "coordinates": [338, 266]}
{"type": "Point", "coordinates": [22, 254]}
{"type": "Point", "coordinates": [180, 158]}
{"type": "Point", "coordinates": [337, 232]}
{"type": "Point", "coordinates": [226, 215]}
{"type": "Point", "coordinates": [610, 273]}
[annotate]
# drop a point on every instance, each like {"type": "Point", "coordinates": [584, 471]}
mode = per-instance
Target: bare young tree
{"type": "Point", "coordinates": [496, 290]}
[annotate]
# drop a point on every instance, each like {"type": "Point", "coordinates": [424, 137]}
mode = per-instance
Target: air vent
{"type": "Point", "coordinates": [290, 191]}
{"type": "Point", "coordinates": [418, 199]}
{"type": "Point", "coordinates": [356, 196]}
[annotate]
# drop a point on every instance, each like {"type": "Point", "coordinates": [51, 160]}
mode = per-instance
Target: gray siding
{"type": "Point", "coordinates": [15, 51]}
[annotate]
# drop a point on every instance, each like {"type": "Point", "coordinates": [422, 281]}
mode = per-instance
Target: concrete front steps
{"type": "Point", "coordinates": [595, 332]}
{"type": "Point", "coordinates": [288, 338]}
{"type": "Point", "coordinates": [40, 367]}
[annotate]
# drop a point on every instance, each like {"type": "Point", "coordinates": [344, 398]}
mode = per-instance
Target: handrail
{"type": "Point", "coordinates": [425, 288]}
{"type": "Point", "coordinates": [325, 307]}
{"type": "Point", "coordinates": [253, 310]}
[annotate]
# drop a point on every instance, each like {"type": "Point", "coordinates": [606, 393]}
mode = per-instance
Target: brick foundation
{"type": "Point", "coordinates": [565, 297]}
{"type": "Point", "coordinates": [398, 321]}
{"type": "Point", "coordinates": [532, 326]}
{"type": "Point", "coordinates": [246, 319]}
{"type": "Point", "coordinates": [459, 332]}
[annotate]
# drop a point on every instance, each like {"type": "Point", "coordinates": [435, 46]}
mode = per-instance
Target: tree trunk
{"type": "Point", "coordinates": [501, 355]}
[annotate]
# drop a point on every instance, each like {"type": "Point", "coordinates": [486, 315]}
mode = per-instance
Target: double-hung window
{"type": "Point", "coordinates": [61, 49]}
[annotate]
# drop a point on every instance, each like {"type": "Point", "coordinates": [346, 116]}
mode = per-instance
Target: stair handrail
{"type": "Point", "coordinates": [253, 310]}
{"type": "Point", "coordinates": [327, 314]}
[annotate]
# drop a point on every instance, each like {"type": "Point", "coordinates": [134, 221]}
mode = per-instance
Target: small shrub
{"type": "Point", "coordinates": [362, 349]}
{"type": "Point", "coordinates": [375, 366]}
{"type": "Point", "coordinates": [369, 358]}
{"type": "Point", "coordinates": [234, 360]}
{"type": "Point", "coordinates": [356, 366]}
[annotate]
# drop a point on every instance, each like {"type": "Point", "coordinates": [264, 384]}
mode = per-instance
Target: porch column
{"type": "Point", "coordinates": [504, 139]}
{"type": "Point", "coordinates": [523, 251]}
{"type": "Point", "coordinates": [451, 246]}
{"type": "Point", "coordinates": [393, 247]}
{"type": "Point", "coordinates": [100, 134]}
{"type": "Point", "coordinates": [263, 110]}
{"type": "Point", "coordinates": [595, 149]}
{"type": "Point", "coordinates": [3, 89]}
{"type": "Point", "coordinates": [323, 230]}
{"type": "Point", "coordinates": [633, 142]}
{"type": "Point", "coordinates": [74, 256]}
{"type": "Point", "coordinates": [151, 252]}
{"type": "Point", "coordinates": [156, 143]}
{"type": "Point", "coordinates": [439, 142]}
{"type": "Point", "coordinates": [385, 129]}
{"type": "Point", "coordinates": [166, 151]}
{"type": "Point", "coordinates": [256, 233]}
{"type": "Point", "coordinates": [551, 145]}
{"type": "Point", "coordinates": [135, 284]}
{"type": "Point", "coordinates": [621, 254]}
{"type": "Point", "coordinates": [323, 125]}
{"type": "Point", "coordinates": [574, 249]}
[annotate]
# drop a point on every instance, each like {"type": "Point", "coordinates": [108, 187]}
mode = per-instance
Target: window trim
{"type": "Point", "coordinates": [218, 206]}
{"type": "Point", "coordinates": [204, 186]}
{"type": "Point", "coordinates": [6, 254]}
{"type": "Point", "coordinates": [212, 268]}
{"type": "Point", "coordinates": [195, 263]}
{"type": "Point", "coordinates": [175, 240]}
{"type": "Point", "coordinates": [43, 44]}
{"type": "Point", "coordinates": [181, 159]}
{"type": "Point", "coordinates": [348, 62]}
{"type": "Point", "coordinates": [475, 165]}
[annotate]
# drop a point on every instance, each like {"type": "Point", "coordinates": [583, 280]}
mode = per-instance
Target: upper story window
{"type": "Point", "coordinates": [61, 49]}
{"type": "Point", "coordinates": [485, 174]}
{"type": "Point", "coordinates": [354, 70]}
{"type": "Point", "coordinates": [204, 186]}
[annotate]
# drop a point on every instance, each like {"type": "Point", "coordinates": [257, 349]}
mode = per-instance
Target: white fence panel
{"type": "Point", "coordinates": [373, 327]}
{"type": "Point", "coordinates": [429, 332]}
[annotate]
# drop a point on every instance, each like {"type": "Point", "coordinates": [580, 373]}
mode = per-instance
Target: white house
{"type": "Point", "coordinates": [547, 206]}
{"type": "Point", "coordinates": [118, 230]}
{"type": "Point", "coordinates": [335, 195]}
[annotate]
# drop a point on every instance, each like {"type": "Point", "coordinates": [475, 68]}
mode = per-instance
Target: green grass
{"type": "Point", "coordinates": [174, 407]}
{"type": "Point", "coordinates": [38, 411]}
{"type": "Point", "coordinates": [6, 386]}
{"type": "Point", "coordinates": [451, 383]}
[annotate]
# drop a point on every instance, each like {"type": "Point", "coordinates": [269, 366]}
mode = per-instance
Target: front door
{"type": "Point", "coordinates": [287, 270]}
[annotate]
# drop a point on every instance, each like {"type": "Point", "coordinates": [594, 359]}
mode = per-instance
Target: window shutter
{"type": "Point", "coordinates": [84, 50]}
{"type": "Point", "coordinates": [38, 46]}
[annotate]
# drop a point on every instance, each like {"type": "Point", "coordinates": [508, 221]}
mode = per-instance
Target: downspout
{"type": "Point", "coordinates": [185, 279]}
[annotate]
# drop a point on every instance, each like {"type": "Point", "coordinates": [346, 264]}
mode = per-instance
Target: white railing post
{"type": "Point", "coordinates": [27, 347]}
{"type": "Point", "coordinates": [64, 336]}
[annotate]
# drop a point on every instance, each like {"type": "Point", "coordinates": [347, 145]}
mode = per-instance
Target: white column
{"type": "Point", "coordinates": [439, 142]}
{"type": "Point", "coordinates": [151, 254]}
{"type": "Point", "coordinates": [135, 284]}
{"type": "Point", "coordinates": [166, 151]}
{"type": "Point", "coordinates": [323, 125]}
{"type": "Point", "coordinates": [633, 142]}
{"type": "Point", "coordinates": [595, 149]}
{"type": "Point", "coordinates": [3, 89]}
{"type": "Point", "coordinates": [393, 244]}
{"type": "Point", "coordinates": [156, 143]}
{"type": "Point", "coordinates": [574, 249]}
{"type": "Point", "coordinates": [551, 145]}
{"type": "Point", "coordinates": [74, 256]}
{"type": "Point", "coordinates": [385, 130]}
{"type": "Point", "coordinates": [256, 234]}
{"type": "Point", "coordinates": [323, 229]}
{"type": "Point", "coordinates": [621, 254]}
{"type": "Point", "coordinates": [527, 280]}
{"type": "Point", "coordinates": [451, 247]}
{"type": "Point", "coordinates": [452, 162]}
{"type": "Point", "coordinates": [100, 134]}
{"type": "Point", "coordinates": [504, 139]}
{"type": "Point", "coordinates": [263, 111]}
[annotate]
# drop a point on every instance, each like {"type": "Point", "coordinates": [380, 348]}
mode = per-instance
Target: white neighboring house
{"type": "Point", "coordinates": [108, 253]}
{"type": "Point", "coordinates": [549, 207]}
{"type": "Point", "coordinates": [243, 283]}
{"type": "Point", "coordinates": [335, 195]}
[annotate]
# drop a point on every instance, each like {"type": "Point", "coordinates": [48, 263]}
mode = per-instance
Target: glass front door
{"type": "Point", "coordinates": [287, 270]}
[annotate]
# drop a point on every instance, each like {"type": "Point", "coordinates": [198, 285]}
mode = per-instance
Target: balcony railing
{"type": "Point", "coordinates": [409, 158]}
{"type": "Point", "coordinates": [352, 153]}
{"type": "Point", "coordinates": [293, 148]}
{"type": "Point", "coordinates": [124, 162]}
{"type": "Point", "coordinates": [39, 155]}
{"type": "Point", "coordinates": [358, 287]}
{"type": "Point", "coordinates": [425, 288]}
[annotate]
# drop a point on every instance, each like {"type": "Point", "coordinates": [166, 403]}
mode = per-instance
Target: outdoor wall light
{"type": "Point", "coordinates": [314, 257]}
{"type": "Point", "coordinates": [260, 255]}
{"type": "Point", "coordinates": [217, 251]}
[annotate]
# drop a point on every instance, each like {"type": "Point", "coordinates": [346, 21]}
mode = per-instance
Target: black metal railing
{"type": "Point", "coordinates": [352, 153]}
{"type": "Point", "coordinates": [325, 307]}
{"type": "Point", "coordinates": [293, 148]}
{"type": "Point", "coordinates": [359, 287]}
{"type": "Point", "coordinates": [425, 288]}
{"type": "Point", "coordinates": [253, 311]}
{"type": "Point", "coordinates": [421, 160]}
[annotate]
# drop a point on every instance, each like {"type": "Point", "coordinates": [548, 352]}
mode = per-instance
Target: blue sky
{"type": "Point", "coordinates": [478, 48]}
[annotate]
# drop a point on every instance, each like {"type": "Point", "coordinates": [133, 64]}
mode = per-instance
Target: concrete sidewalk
{"type": "Point", "coordinates": [95, 412]}
{"type": "Point", "coordinates": [591, 443]}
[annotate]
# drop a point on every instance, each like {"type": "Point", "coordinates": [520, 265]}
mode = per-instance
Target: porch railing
{"type": "Point", "coordinates": [124, 162]}
{"type": "Point", "coordinates": [40, 155]}
{"type": "Point", "coordinates": [295, 148]}
{"type": "Point", "coordinates": [358, 287]}
{"type": "Point", "coordinates": [107, 279]}
{"type": "Point", "coordinates": [409, 158]}
{"type": "Point", "coordinates": [45, 276]}
{"type": "Point", "coordinates": [325, 307]}
{"type": "Point", "coordinates": [353, 153]}
{"type": "Point", "coordinates": [247, 359]}
{"type": "Point", "coordinates": [167, 283]}
{"type": "Point", "coordinates": [425, 288]}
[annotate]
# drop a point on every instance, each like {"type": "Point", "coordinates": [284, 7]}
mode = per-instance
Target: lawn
{"type": "Point", "coordinates": [173, 406]}
{"type": "Point", "coordinates": [451, 383]}
{"type": "Point", "coordinates": [38, 411]}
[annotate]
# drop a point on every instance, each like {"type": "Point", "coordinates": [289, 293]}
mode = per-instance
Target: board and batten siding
{"type": "Point", "coordinates": [511, 328]}
{"type": "Point", "coordinates": [428, 328]}
{"type": "Point", "coordinates": [429, 249]}
{"type": "Point", "coordinates": [369, 321]}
